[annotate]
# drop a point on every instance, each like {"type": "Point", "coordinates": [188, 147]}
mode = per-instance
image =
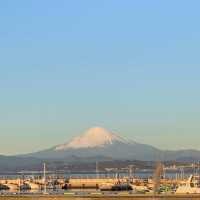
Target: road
{"type": "Point", "coordinates": [99, 197]}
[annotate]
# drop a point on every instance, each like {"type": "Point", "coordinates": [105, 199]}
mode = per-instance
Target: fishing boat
{"type": "Point", "coordinates": [106, 186]}
{"type": "Point", "coordinates": [4, 187]}
{"type": "Point", "coordinates": [191, 186]}
{"type": "Point", "coordinates": [25, 187]}
{"type": "Point", "coordinates": [115, 187]}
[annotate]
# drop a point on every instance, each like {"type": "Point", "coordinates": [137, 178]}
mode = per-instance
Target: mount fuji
{"type": "Point", "coordinates": [94, 137]}
{"type": "Point", "coordinates": [99, 144]}
{"type": "Point", "coordinates": [96, 144]}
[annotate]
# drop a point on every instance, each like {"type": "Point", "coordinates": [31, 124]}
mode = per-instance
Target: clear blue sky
{"type": "Point", "coordinates": [132, 67]}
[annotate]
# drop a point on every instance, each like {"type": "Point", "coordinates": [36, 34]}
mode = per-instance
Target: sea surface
{"type": "Point", "coordinates": [139, 174]}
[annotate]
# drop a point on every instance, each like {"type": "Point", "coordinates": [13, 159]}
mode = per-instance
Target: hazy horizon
{"type": "Point", "coordinates": [131, 67]}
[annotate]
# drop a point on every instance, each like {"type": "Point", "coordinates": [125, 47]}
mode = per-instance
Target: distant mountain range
{"type": "Point", "coordinates": [97, 144]}
{"type": "Point", "coordinates": [17, 163]}
{"type": "Point", "coordinates": [101, 144]}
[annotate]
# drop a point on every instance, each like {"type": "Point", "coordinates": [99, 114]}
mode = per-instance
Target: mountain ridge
{"type": "Point", "coordinates": [94, 137]}
{"type": "Point", "coordinates": [98, 142]}
{"type": "Point", "coordinates": [111, 147]}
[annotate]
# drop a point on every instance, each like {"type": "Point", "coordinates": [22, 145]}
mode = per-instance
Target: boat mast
{"type": "Point", "coordinates": [97, 170]}
{"type": "Point", "coordinates": [44, 177]}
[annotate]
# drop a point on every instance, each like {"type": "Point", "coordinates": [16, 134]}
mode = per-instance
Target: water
{"type": "Point", "coordinates": [138, 174]}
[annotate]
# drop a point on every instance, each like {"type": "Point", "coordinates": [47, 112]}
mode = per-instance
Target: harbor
{"type": "Point", "coordinates": [159, 184]}
{"type": "Point", "coordinates": [85, 178]}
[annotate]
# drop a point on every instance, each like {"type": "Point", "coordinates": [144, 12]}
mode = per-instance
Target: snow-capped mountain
{"type": "Point", "coordinates": [100, 144]}
{"type": "Point", "coordinates": [94, 137]}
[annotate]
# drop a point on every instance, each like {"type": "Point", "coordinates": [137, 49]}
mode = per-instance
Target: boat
{"type": "Point", "coordinates": [34, 186]}
{"type": "Point", "coordinates": [121, 187]}
{"type": "Point", "coordinates": [140, 188]}
{"type": "Point", "coordinates": [65, 187]}
{"type": "Point", "coordinates": [106, 186]}
{"type": "Point", "coordinates": [115, 187]}
{"type": "Point", "coordinates": [4, 187]}
{"type": "Point", "coordinates": [12, 187]}
{"type": "Point", "coordinates": [25, 187]}
{"type": "Point", "coordinates": [191, 186]}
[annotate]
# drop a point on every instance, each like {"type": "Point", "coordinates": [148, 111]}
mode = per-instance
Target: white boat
{"type": "Point", "coordinates": [140, 188]}
{"type": "Point", "coordinates": [106, 186]}
{"type": "Point", "coordinates": [34, 186]}
{"type": "Point", "coordinates": [12, 187]}
{"type": "Point", "coordinates": [191, 186]}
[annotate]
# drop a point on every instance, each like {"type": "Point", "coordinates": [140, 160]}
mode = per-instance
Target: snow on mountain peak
{"type": "Point", "coordinates": [94, 137]}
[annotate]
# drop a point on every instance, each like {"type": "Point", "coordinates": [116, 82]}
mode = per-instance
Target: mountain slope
{"type": "Point", "coordinates": [94, 137]}
{"type": "Point", "coordinates": [100, 143]}
{"type": "Point", "coordinates": [15, 163]}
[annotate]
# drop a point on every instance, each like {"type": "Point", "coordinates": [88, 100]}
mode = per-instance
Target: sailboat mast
{"type": "Point", "coordinates": [44, 177]}
{"type": "Point", "coordinates": [97, 170]}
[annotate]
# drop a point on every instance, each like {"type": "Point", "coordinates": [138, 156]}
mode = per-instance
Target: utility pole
{"type": "Point", "coordinates": [44, 178]}
{"type": "Point", "coordinates": [198, 170]}
{"type": "Point", "coordinates": [97, 170]}
{"type": "Point", "coordinates": [131, 172]}
{"type": "Point", "coordinates": [19, 185]}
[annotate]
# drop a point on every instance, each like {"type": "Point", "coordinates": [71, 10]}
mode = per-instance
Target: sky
{"type": "Point", "coordinates": [132, 67]}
